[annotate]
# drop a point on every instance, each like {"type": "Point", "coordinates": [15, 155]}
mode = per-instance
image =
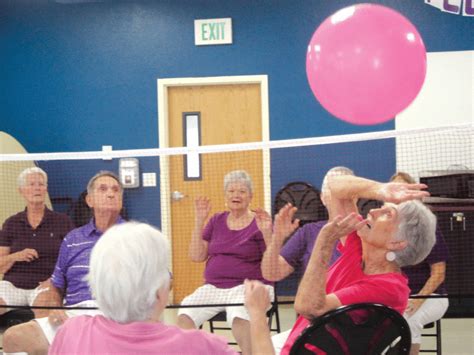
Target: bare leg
{"type": "Point", "coordinates": [185, 322]}
{"type": "Point", "coordinates": [415, 349]}
{"type": "Point", "coordinates": [241, 332]}
{"type": "Point", "coordinates": [43, 299]}
{"type": "Point", "coordinates": [26, 337]}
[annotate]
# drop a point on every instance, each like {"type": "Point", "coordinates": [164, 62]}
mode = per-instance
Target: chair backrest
{"type": "Point", "coordinates": [305, 197]}
{"type": "Point", "coordinates": [363, 328]}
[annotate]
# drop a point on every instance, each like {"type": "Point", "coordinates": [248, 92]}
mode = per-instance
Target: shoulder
{"type": "Point", "coordinates": [58, 215]}
{"type": "Point", "coordinates": [314, 227]}
{"type": "Point", "coordinates": [204, 342]}
{"type": "Point", "coordinates": [78, 233]}
{"type": "Point", "coordinates": [219, 217]}
{"type": "Point", "coordinates": [17, 217]}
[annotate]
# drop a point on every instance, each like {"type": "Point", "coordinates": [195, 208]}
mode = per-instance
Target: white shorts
{"type": "Point", "coordinates": [209, 294]}
{"type": "Point", "coordinates": [15, 296]}
{"type": "Point", "coordinates": [430, 311]}
{"type": "Point", "coordinates": [279, 340]}
{"type": "Point", "coordinates": [50, 330]}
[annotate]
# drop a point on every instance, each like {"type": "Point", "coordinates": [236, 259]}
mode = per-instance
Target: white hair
{"type": "Point", "coordinates": [238, 176]}
{"type": "Point", "coordinates": [417, 225]}
{"type": "Point", "coordinates": [128, 265]}
{"type": "Point", "coordinates": [336, 171]}
{"type": "Point", "coordinates": [90, 184]}
{"type": "Point", "coordinates": [29, 171]}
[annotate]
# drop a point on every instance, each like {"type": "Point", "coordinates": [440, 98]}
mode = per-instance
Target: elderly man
{"type": "Point", "coordinates": [104, 196]}
{"type": "Point", "coordinates": [29, 245]}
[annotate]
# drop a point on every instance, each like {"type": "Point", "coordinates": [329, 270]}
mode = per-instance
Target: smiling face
{"type": "Point", "coordinates": [382, 225]}
{"type": "Point", "coordinates": [237, 196]}
{"type": "Point", "coordinates": [106, 195]}
{"type": "Point", "coordinates": [34, 190]}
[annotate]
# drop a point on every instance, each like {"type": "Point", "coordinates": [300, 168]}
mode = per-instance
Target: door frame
{"type": "Point", "coordinates": [163, 119]}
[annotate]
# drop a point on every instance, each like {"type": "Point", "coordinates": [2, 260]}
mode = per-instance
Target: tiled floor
{"type": "Point", "coordinates": [457, 334]}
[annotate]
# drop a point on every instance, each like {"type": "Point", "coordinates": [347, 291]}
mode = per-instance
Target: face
{"type": "Point", "coordinates": [106, 195]}
{"type": "Point", "coordinates": [237, 196]}
{"type": "Point", "coordinates": [382, 225]}
{"type": "Point", "coordinates": [34, 191]}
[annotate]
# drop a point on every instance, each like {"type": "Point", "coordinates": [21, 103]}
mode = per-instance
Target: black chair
{"type": "Point", "coordinates": [272, 314]}
{"type": "Point", "coordinates": [437, 334]}
{"type": "Point", "coordinates": [16, 316]}
{"type": "Point", "coordinates": [305, 197]}
{"type": "Point", "coordinates": [357, 329]}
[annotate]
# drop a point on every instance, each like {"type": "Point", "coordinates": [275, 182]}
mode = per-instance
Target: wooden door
{"type": "Point", "coordinates": [228, 114]}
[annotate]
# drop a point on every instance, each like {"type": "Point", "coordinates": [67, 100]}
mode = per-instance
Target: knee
{"type": "Point", "coordinates": [19, 337]}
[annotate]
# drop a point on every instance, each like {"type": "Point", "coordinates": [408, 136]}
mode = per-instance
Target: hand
{"type": "Point", "coordinates": [397, 192]}
{"type": "Point", "coordinates": [284, 224]}
{"type": "Point", "coordinates": [340, 227]}
{"type": "Point", "coordinates": [44, 284]}
{"type": "Point", "coordinates": [264, 221]}
{"type": "Point", "coordinates": [257, 297]}
{"type": "Point", "coordinates": [413, 305]}
{"type": "Point", "coordinates": [57, 317]}
{"type": "Point", "coordinates": [26, 255]}
{"type": "Point", "coordinates": [202, 207]}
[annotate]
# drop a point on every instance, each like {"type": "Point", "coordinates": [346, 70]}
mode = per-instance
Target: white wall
{"type": "Point", "coordinates": [445, 99]}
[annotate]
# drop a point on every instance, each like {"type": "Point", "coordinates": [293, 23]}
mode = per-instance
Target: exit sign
{"type": "Point", "coordinates": [213, 31]}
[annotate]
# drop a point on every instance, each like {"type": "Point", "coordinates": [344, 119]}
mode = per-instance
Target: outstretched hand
{"type": "Point", "coordinates": [284, 224]}
{"type": "Point", "coordinates": [264, 221]}
{"type": "Point", "coordinates": [340, 227]}
{"type": "Point", "coordinates": [202, 208]}
{"type": "Point", "coordinates": [257, 297]}
{"type": "Point", "coordinates": [397, 192]}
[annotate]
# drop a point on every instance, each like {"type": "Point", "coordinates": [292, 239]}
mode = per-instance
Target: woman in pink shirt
{"type": "Point", "coordinates": [130, 280]}
{"type": "Point", "coordinates": [400, 233]}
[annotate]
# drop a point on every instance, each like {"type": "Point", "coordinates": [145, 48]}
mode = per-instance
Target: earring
{"type": "Point", "coordinates": [390, 256]}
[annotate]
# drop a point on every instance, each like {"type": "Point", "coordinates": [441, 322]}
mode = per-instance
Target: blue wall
{"type": "Point", "coordinates": [77, 75]}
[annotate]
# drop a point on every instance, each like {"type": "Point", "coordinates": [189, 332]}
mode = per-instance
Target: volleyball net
{"type": "Point", "coordinates": [161, 186]}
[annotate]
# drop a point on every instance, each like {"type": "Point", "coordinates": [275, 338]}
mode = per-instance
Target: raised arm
{"type": "Point", "coordinates": [311, 298]}
{"type": "Point", "coordinates": [354, 187]}
{"type": "Point", "coordinates": [274, 266]}
{"type": "Point", "coordinates": [257, 301]}
{"type": "Point", "coordinates": [198, 246]}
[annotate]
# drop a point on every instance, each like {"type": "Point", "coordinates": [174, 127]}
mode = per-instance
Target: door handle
{"type": "Point", "coordinates": [177, 196]}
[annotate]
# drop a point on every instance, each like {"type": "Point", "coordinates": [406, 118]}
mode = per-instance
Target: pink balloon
{"type": "Point", "coordinates": [366, 63]}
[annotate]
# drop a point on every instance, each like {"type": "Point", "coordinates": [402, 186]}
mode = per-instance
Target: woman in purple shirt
{"type": "Point", "coordinates": [232, 245]}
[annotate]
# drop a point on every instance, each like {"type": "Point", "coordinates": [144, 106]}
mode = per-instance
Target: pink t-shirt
{"type": "Point", "coordinates": [350, 284]}
{"type": "Point", "coordinates": [99, 335]}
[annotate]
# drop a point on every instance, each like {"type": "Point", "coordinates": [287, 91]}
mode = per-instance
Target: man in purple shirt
{"type": "Point", "coordinates": [104, 196]}
{"type": "Point", "coordinates": [280, 260]}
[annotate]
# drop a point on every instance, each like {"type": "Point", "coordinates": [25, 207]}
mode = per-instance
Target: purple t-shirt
{"type": "Point", "coordinates": [73, 263]}
{"type": "Point", "coordinates": [297, 250]}
{"type": "Point", "coordinates": [418, 274]}
{"type": "Point", "coordinates": [233, 255]}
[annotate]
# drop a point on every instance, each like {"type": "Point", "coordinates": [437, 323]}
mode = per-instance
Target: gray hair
{"type": "Point", "coordinates": [128, 265]}
{"type": "Point", "coordinates": [417, 225]}
{"type": "Point", "coordinates": [90, 184]}
{"type": "Point", "coordinates": [29, 171]}
{"type": "Point", "coordinates": [336, 171]}
{"type": "Point", "coordinates": [238, 176]}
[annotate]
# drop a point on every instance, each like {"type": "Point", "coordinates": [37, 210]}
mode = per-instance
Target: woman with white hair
{"type": "Point", "coordinates": [232, 245]}
{"type": "Point", "coordinates": [29, 245]}
{"type": "Point", "coordinates": [400, 233]}
{"type": "Point", "coordinates": [130, 281]}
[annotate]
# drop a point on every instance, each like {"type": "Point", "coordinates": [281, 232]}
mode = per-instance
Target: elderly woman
{"type": "Point", "coordinates": [29, 245]}
{"type": "Point", "coordinates": [369, 269]}
{"type": "Point", "coordinates": [232, 245]}
{"type": "Point", "coordinates": [425, 278]}
{"type": "Point", "coordinates": [132, 302]}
